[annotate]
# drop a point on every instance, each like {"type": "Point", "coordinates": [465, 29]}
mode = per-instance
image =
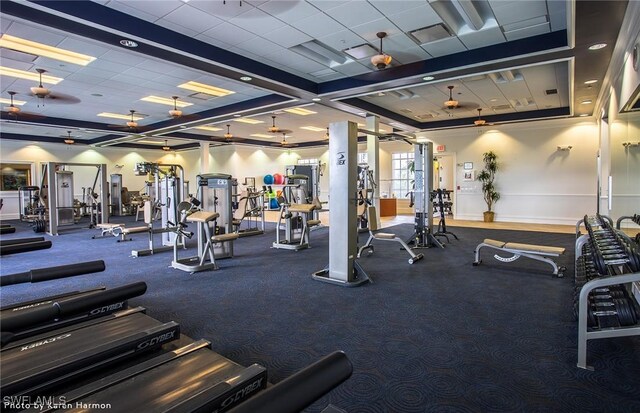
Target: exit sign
{"type": "Point", "coordinates": [441, 148]}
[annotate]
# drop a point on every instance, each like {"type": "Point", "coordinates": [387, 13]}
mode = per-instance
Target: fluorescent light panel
{"type": "Point", "coordinates": [207, 89]}
{"type": "Point", "coordinates": [151, 142]}
{"type": "Point", "coordinates": [300, 111]}
{"type": "Point", "coordinates": [313, 128]}
{"type": "Point", "coordinates": [39, 49]}
{"type": "Point", "coordinates": [208, 128]}
{"type": "Point", "coordinates": [15, 102]}
{"type": "Point", "coordinates": [166, 101]}
{"type": "Point", "coordinates": [119, 116]}
{"type": "Point", "coordinates": [248, 120]}
{"type": "Point", "coordinates": [21, 74]}
{"type": "Point", "coordinates": [262, 135]}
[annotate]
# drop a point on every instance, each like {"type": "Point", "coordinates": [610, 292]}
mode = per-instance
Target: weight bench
{"type": "Point", "coordinates": [535, 252]}
{"type": "Point", "coordinates": [131, 230]}
{"type": "Point", "coordinates": [109, 230]}
{"type": "Point", "coordinates": [384, 236]}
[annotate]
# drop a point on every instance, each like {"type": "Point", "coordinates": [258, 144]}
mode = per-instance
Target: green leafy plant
{"type": "Point", "coordinates": [487, 176]}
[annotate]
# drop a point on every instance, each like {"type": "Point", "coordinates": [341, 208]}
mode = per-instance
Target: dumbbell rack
{"type": "Point", "coordinates": [607, 277]}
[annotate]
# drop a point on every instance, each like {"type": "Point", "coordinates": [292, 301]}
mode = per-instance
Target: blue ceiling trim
{"type": "Point", "coordinates": [108, 17]}
{"type": "Point", "coordinates": [512, 49]}
{"type": "Point", "coordinates": [245, 105]}
{"type": "Point", "coordinates": [71, 123]}
{"type": "Point", "coordinates": [379, 110]}
{"type": "Point", "coordinates": [505, 117]}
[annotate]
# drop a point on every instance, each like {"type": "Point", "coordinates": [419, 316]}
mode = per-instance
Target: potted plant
{"type": "Point", "coordinates": [486, 176]}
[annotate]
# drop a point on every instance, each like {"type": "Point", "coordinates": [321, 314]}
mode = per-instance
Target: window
{"type": "Point", "coordinates": [401, 178]}
{"type": "Point", "coordinates": [14, 175]}
{"type": "Point", "coordinates": [310, 161]}
{"type": "Point", "coordinates": [363, 157]}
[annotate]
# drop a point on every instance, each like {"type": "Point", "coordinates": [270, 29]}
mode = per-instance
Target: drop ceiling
{"type": "Point", "coordinates": [502, 56]}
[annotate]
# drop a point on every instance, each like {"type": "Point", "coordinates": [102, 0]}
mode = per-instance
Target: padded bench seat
{"type": "Point", "coordinates": [305, 208]}
{"type": "Point", "coordinates": [134, 230]}
{"type": "Point", "coordinates": [109, 225]}
{"type": "Point", "coordinates": [225, 237]}
{"type": "Point", "coordinates": [535, 252]}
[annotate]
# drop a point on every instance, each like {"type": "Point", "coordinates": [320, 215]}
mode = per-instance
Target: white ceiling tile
{"type": "Point", "coordinates": [48, 37]}
{"type": "Point", "coordinates": [178, 29]}
{"type": "Point", "coordinates": [256, 2]}
{"type": "Point", "coordinates": [210, 40]}
{"type": "Point", "coordinates": [168, 80]}
{"type": "Point", "coordinates": [287, 10]}
{"type": "Point", "coordinates": [132, 11]}
{"type": "Point", "coordinates": [354, 13]}
{"type": "Point", "coordinates": [157, 8]}
{"type": "Point", "coordinates": [513, 11]}
{"type": "Point", "coordinates": [369, 30]}
{"type": "Point", "coordinates": [218, 9]}
{"type": "Point", "coordinates": [317, 25]}
{"type": "Point", "coordinates": [129, 58]}
{"type": "Point", "coordinates": [327, 4]}
{"type": "Point", "coordinates": [156, 67]}
{"type": "Point", "coordinates": [140, 73]}
{"type": "Point", "coordinates": [416, 18]}
{"type": "Point", "coordinates": [81, 77]}
{"type": "Point", "coordinates": [120, 79]}
{"type": "Point", "coordinates": [5, 24]}
{"type": "Point", "coordinates": [444, 47]}
{"type": "Point", "coordinates": [527, 32]}
{"type": "Point", "coordinates": [409, 55]}
{"type": "Point", "coordinates": [229, 34]}
{"type": "Point", "coordinates": [389, 7]}
{"type": "Point", "coordinates": [94, 72]}
{"type": "Point", "coordinates": [109, 66]}
{"type": "Point", "coordinates": [352, 69]}
{"type": "Point", "coordinates": [191, 18]}
{"type": "Point", "coordinates": [256, 21]}
{"type": "Point", "coordinates": [184, 73]}
{"type": "Point", "coordinates": [487, 36]}
{"type": "Point", "coordinates": [558, 14]}
{"type": "Point", "coordinates": [85, 47]}
{"type": "Point", "coordinates": [260, 46]}
{"type": "Point", "coordinates": [287, 36]}
{"type": "Point", "coordinates": [341, 40]}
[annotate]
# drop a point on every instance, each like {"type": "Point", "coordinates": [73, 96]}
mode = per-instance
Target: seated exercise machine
{"type": "Point", "coordinates": [295, 217]}
{"type": "Point", "coordinates": [535, 252]}
{"type": "Point", "coordinates": [384, 236]}
{"type": "Point", "coordinates": [250, 212]}
{"type": "Point", "coordinates": [438, 200]}
{"type": "Point", "coordinates": [214, 224]}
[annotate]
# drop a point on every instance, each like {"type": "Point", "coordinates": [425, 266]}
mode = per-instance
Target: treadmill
{"type": "Point", "coordinates": [188, 379]}
{"type": "Point", "coordinates": [59, 356]}
{"type": "Point", "coordinates": [30, 318]}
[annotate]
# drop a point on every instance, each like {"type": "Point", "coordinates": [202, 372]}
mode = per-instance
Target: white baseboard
{"type": "Point", "coordinates": [5, 217]}
{"type": "Point", "coordinates": [524, 220]}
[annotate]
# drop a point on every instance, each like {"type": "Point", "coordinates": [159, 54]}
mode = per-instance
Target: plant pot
{"type": "Point", "coordinates": [488, 216]}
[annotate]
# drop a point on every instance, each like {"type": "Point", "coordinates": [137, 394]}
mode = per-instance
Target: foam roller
{"type": "Point", "coordinates": [52, 273]}
{"type": "Point", "coordinates": [18, 248]}
{"type": "Point", "coordinates": [4, 242]}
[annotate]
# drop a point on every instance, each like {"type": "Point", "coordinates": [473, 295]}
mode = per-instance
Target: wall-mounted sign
{"type": "Point", "coordinates": [441, 148]}
{"type": "Point", "coordinates": [468, 165]}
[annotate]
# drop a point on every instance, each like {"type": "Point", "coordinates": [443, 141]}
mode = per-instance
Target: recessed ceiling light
{"type": "Point", "coordinates": [207, 89]}
{"type": "Point", "coordinates": [248, 120]}
{"type": "Point", "coordinates": [313, 128]}
{"type": "Point", "coordinates": [428, 78]}
{"type": "Point", "coordinates": [39, 49]}
{"type": "Point", "coordinates": [166, 101]}
{"type": "Point", "coordinates": [597, 46]}
{"type": "Point", "coordinates": [21, 74]}
{"type": "Point", "coordinates": [246, 78]}
{"type": "Point", "coordinates": [316, 99]}
{"type": "Point", "coordinates": [493, 100]}
{"type": "Point", "coordinates": [236, 115]}
{"type": "Point", "coordinates": [584, 114]}
{"type": "Point", "coordinates": [128, 43]}
{"type": "Point", "coordinates": [586, 102]}
{"type": "Point", "coordinates": [590, 82]}
{"type": "Point", "coordinates": [208, 128]}
{"type": "Point", "coordinates": [300, 111]}
{"type": "Point", "coordinates": [119, 116]}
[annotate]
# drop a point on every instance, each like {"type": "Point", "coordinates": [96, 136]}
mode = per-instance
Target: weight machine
{"type": "Point", "coordinates": [423, 223]}
{"type": "Point", "coordinates": [366, 189]}
{"type": "Point", "coordinates": [296, 211]}
{"type": "Point", "coordinates": [313, 172]}
{"type": "Point", "coordinates": [168, 182]}
{"type": "Point", "coordinates": [57, 195]}
{"type": "Point", "coordinates": [248, 208]}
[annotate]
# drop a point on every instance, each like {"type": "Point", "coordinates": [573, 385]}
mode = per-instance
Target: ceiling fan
{"type": "Point", "coordinates": [14, 112]}
{"type": "Point", "coordinates": [166, 146]}
{"type": "Point", "coordinates": [452, 103]}
{"type": "Point", "coordinates": [274, 129]}
{"type": "Point", "coordinates": [68, 139]}
{"type": "Point", "coordinates": [42, 92]}
{"type": "Point", "coordinates": [283, 143]}
{"type": "Point", "coordinates": [175, 112]}
{"type": "Point", "coordinates": [381, 60]}
{"type": "Point", "coordinates": [131, 124]}
{"type": "Point", "coordinates": [480, 121]}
